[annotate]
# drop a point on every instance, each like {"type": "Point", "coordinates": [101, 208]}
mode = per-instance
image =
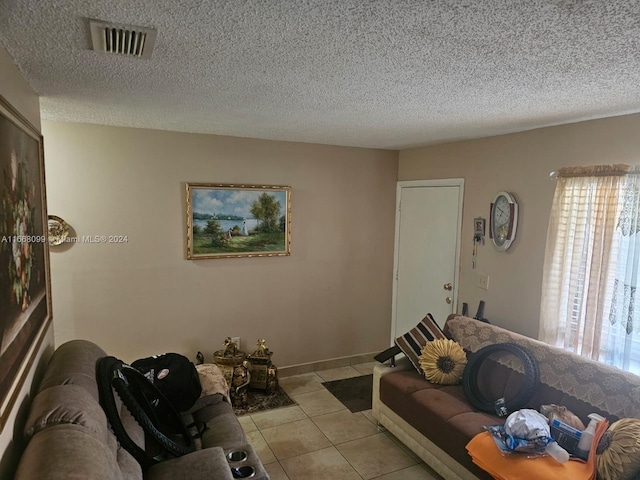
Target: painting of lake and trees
{"type": "Point", "coordinates": [238, 220]}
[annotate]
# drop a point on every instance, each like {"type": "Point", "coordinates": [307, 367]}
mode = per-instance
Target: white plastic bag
{"type": "Point", "coordinates": [527, 424]}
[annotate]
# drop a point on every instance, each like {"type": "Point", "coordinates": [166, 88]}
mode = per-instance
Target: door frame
{"type": "Point", "coordinates": [446, 182]}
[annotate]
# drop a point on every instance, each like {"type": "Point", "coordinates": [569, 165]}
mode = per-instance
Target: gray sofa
{"type": "Point", "coordinates": [437, 421]}
{"type": "Point", "coordinates": [69, 437]}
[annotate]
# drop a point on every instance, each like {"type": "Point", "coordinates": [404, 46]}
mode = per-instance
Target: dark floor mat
{"type": "Point", "coordinates": [355, 393]}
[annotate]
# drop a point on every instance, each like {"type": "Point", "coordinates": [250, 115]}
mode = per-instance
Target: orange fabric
{"type": "Point", "coordinates": [516, 466]}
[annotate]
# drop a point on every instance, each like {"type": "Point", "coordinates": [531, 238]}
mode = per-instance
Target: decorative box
{"type": "Point", "coordinates": [235, 368]}
{"type": "Point", "coordinates": [264, 374]}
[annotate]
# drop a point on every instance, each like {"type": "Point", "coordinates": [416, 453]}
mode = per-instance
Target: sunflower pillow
{"type": "Point", "coordinates": [443, 361]}
{"type": "Point", "coordinates": [618, 451]}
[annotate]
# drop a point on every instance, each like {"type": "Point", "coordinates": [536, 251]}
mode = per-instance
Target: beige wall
{"type": "Point", "coordinates": [330, 298]}
{"type": "Point", "coordinates": [17, 92]}
{"type": "Point", "coordinates": [518, 163]}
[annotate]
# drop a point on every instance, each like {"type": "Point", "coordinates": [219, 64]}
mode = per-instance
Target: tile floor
{"type": "Point", "coordinates": [321, 439]}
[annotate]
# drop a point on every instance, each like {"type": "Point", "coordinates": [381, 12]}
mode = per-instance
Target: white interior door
{"type": "Point", "coordinates": [427, 251]}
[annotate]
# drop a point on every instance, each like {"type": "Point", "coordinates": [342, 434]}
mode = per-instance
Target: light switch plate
{"type": "Point", "coordinates": [482, 281]}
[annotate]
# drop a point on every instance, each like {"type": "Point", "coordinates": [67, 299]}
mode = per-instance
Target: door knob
{"type": "Point", "coordinates": [448, 300]}
{"type": "Point", "coordinates": [448, 286]}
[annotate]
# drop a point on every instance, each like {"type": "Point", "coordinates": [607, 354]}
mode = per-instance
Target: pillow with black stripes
{"type": "Point", "coordinates": [412, 342]}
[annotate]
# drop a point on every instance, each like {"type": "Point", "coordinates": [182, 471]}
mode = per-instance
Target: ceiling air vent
{"type": "Point", "coordinates": [122, 39]}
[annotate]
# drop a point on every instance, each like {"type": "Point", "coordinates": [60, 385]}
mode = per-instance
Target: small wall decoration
{"type": "Point", "coordinates": [58, 230]}
{"type": "Point", "coordinates": [231, 221]}
{"type": "Point", "coordinates": [478, 228]}
{"type": "Point", "coordinates": [25, 295]}
{"type": "Point", "coordinates": [478, 238]}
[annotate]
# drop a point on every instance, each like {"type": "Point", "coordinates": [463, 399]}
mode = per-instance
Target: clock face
{"type": "Point", "coordinates": [501, 218]}
{"type": "Point", "coordinates": [504, 217]}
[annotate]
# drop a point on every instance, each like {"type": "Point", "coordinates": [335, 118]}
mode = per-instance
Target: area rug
{"type": "Point", "coordinates": [260, 400]}
{"type": "Point", "coordinates": [355, 393]}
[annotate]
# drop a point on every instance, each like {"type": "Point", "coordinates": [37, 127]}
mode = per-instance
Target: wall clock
{"type": "Point", "coordinates": [503, 220]}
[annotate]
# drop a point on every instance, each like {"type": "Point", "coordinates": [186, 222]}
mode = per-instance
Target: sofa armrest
{"type": "Point", "coordinates": [381, 370]}
{"type": "Point", "coordinates": [206, 464]}
{"type": "Point", "coordinates": [402, 363]}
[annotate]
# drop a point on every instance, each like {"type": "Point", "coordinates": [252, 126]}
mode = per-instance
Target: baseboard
{"type": "Point", "coordinates": [325, 364]}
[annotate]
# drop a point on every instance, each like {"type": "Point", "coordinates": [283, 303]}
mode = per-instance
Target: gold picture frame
{"type": "Point", "coordinates": [234, 221]}
{"type": "Point", "coordinates": [25, 286]}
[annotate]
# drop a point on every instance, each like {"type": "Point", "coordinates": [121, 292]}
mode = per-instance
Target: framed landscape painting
{"type": "Point", "coordinates": [25, 303]}
{"type": "Point", "coordinates": [231, 221]}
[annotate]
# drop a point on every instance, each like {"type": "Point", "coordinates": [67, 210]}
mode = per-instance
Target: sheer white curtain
{"type": "Point", "coordinates": [621, 331]}
{"type": "Point", "coordinates": [580, 308]}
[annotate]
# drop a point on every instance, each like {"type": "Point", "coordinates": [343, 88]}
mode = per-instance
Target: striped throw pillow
{"type": "Point", "coordinates": [412, 342]}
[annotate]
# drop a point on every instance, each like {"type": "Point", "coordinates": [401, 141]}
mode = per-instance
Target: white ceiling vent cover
{"type": "Point", "coordinates": [123, 39]}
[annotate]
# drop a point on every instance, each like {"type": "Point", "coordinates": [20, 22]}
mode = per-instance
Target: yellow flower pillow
{"type": "Point", "coordinates": [618, 451]}
{"type": "Point", "coordinates": [443, 361]}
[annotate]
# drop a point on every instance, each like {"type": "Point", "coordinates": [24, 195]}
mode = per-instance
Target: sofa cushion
{"type": "Point", "coordinates": [214, 386]}
{"type": "Point", "coordinates": [546, 395]}
{"type": "Point", "coordinates": [129, 466]}
{"type": "Point", "coordinates": [73, 405]}
{"type": "Point", "coordinates": [67, 404]}
{"type": "Point", "coordinates": [131, 469]}
{"type": "Point", "coordinates": [412, 342]}
{"type": "Point", "coordinates": [441, 413]}
{"type": "Point", "coordinates": [74, 362]}
{"type": "Point", "coordinates": [194, 466]}
{"type": "Point", "coordinates": [67, 452]}
{"type": "Point", "coordinates": [223, 428]}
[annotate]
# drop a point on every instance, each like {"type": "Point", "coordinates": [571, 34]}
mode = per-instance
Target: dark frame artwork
{"type": "Point", "coordinates": [232, 221]}
{"type": "Point", "coordinates": [25, 283]}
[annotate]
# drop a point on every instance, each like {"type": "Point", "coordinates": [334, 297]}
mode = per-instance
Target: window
{"type": "Point", "coordinates": [592, 266]}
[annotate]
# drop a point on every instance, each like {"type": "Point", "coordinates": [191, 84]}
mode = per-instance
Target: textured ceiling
{"type": "Point", "coordinates": [387, 74]}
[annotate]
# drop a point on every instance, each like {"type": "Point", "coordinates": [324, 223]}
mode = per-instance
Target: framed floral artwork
{"type": "Point", "coordinates": [25, 291]}
{"type": "Point", "coordinates": [231, 221]}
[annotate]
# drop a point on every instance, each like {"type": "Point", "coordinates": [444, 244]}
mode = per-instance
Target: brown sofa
{"type": "Point", "coordinates": [437, 422]}
{"type": "Point", "coordinates": [69, 437]}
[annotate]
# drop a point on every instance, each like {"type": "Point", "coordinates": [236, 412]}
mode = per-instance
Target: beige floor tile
{"type": "Point", "coordinates": [326, 464]}
{"type": "Point", "coordinates": [278, 416]}
{"type": "Point", "coordinates": [293, 439]}
{"type": "Point", "coordinates": [259, 444]}
{"type": "Point", "coordinates": [369, 416]}
{"type": "Point", "coordinates": [275, 471]}
{"type": "Point", "coordinates": [318, 403]}
{"type": "Point", "coordinates": [365, 368]}
{"type": "Point", "coordinates": [406, 449]}
{"type": "Point", "coordinates": [431, 472]}
{"type": "Point", "coordinates": [344, 426]}
{"type": "Point", "coordinates": [417, 472]}
{"type": "Point", "coordinates": [338, 373]}
{"type": "Point", "coordinates": [307, 382]}
{"type": "Point", "coordinates": [247, 424]}
{"type": "Point", "coordinates": [334, 443]}
{"type": "Point", "coordinates": [375, 455]}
